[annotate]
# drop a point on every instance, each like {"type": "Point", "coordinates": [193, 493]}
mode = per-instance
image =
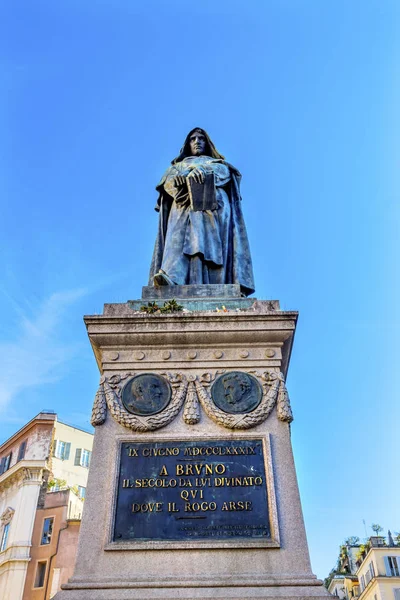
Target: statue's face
{"type": "Point", "coordinates": [233, 391]}
{"type": "Point", "coordinates": [197, 143]}
{"type": "Point", "coordinates": [148, 391]}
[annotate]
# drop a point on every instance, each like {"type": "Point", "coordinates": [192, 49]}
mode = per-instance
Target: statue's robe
{"type": "Point", "coordinates": [199, 247]}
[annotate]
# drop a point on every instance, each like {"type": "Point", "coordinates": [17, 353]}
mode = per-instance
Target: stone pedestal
{"type": "Point", "coordinates": [212, 554]}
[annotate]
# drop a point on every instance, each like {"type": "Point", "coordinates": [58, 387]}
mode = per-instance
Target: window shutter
{"type": "Point", "coordinates": [78, 454]}
{"type": "Point", "coordinates": [67, 450]}
{"type": "Point", "coordinates": [396, 565]}
{"type": "Point", "coordinates": [2, 462]}
{"type": "Point", "coordinates": [90, 458]}
{"type": "Point", "coordinates": [372, 569]}
{"type": "Point", "coordinates": [21, 451]}
{"type": "Point", "coordinates": [55, 442]}
{"type": "Point", "coordinates": [387, 566]}
{"type": "Point", "coordinates": [8, 462]}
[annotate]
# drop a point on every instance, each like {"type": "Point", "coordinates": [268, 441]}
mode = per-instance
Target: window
{"type": "Point", "coordinates": [82, 457]}
{"type": "Point", "coordinates": [370, 574]}
{"type": "Point", "coordinates": [4, 536]}
{"type": "Point", "coordinates": [81, 492]}
{"type": "Point", "coordinates": [5, 463]}
{"type": "Point", "coordinates": [85, 460]}
{"type": "Point", "coordinates": [40, 573]}
{"type": "Point", "coordinates": [392, 566]}
{"type": "Point", "coordinates": [362, 582]}
{"type": "Point", "coordinates": [396, 593]}
{"type": "Point", "coordinates": [21, 451]}
{"type": "Point", "coordinates": [371, 569]}
{"type": "Point", "coordinates": [47, 531]}
{"type": "Point", "coordinates": [61, 449]}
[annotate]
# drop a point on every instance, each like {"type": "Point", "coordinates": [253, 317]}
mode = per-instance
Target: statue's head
{"type": "Point", "coordinates": [147, 390]}
{"type": "Point", "coordinates": [237, 386]}
{"type": "Point", "coordinates": [198, 142]}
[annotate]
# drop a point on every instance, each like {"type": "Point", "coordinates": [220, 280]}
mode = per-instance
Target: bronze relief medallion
{"type": "Point", "coordinates": [146, 394]}
{"type": "Point", "coordinates": [236, 392]}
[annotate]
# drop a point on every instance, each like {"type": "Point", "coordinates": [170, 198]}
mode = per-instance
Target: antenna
{"type": "Point", "coordinates": [365, 527]}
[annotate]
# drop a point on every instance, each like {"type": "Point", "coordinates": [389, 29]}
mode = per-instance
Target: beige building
{"type": "Point", "coordinates": [38, 461]}
{"type": "Point", "coordinates": [72, 449]}
{"type": "Point", "coordinates": [344, 586]}
{"type": "Point", "coordinates": [379, 574]}
{"type": "Point", "coordinates": [373, 571]}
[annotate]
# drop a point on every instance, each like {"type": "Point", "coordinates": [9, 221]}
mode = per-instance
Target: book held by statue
{"type": "Point", "coordinates": [202, 195]}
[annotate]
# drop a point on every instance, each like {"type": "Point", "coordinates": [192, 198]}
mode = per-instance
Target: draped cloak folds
{"type": "Point", "coordinates": [237, 267]}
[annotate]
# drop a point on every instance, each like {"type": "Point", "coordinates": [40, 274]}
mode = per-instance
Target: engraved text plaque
{"type": "Point", "coordinates": [192, 490]}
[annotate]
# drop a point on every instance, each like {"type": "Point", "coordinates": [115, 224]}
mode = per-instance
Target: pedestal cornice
{"type": "Point", "coordinates": [260, 327]}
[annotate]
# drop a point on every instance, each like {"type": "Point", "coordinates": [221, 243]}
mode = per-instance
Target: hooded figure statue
{"type": "Point", "coordinates": [206, 244]}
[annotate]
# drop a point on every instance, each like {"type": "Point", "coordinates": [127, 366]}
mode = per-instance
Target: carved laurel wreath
{"type": "Point", "coordinates": [194, 391]}
{"type": "Point", "coordinates": [109, 395]}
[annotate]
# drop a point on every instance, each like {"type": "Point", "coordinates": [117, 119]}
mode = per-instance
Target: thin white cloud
{"type": "Point", "coordinates": [37, 353]}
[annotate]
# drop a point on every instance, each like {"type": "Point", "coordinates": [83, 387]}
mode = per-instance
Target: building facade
{"type": "Point", "coordinates": [43, 457]}
{"type": "Point", "coordinates": [368, 571]}
{"type": "Point", "coordinates": [71, 454]}
{"type": "Point", "coordinates": [54, 544]}
{"type": "Point", "coordinates": [379, 574]}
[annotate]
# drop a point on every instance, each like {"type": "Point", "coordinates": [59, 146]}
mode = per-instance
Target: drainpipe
{"type": "Point", "coordinates": [51, 559]}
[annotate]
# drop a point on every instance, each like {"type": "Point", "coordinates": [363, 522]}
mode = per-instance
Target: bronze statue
{"type": "Point", "coordinates": [202, 237]}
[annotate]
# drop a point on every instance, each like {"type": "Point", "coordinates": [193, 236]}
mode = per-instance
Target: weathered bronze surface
{"type": "Point", "coordinates": [192, 490]}
{"type": "Point", "coordinates": [236, 392]}
{"type": "Point", "coordinates": [146, 394]}
{"type": "Point", "coordinates": [194, 245]}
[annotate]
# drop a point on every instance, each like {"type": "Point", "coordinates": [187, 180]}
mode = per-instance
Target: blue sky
{"type": "Point", "coordinates": [301, 96]}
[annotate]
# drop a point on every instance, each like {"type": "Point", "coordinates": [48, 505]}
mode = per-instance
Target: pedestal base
{"type": "Point", "coordinates": [262, 555]}
{"type": "Point", "coordinates": [200, 593]}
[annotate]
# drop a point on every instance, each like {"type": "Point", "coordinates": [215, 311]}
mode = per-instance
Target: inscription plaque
{"type": "Point", "coordinates": [192, 490]}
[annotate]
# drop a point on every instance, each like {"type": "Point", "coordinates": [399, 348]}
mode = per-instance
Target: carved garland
{"type": "Point", "coordinates": [109, 395]}
{"type": "Point", "coordinates": [193, 391]}
{"type": "Point", "coordinates": [273, 386]}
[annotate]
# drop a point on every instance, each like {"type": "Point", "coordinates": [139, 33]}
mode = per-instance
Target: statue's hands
{"type": "Point", "coordinates": [197, 174]}
{"type": "Point", "coordinates": [179, 181]}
